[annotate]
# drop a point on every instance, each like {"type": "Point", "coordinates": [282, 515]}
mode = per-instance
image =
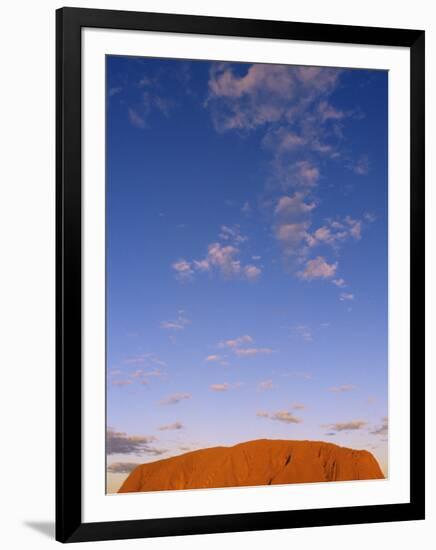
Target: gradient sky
{"type": "Point", "coordinates": [246, 257]}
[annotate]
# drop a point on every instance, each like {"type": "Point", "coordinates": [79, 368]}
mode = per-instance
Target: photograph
{"type": "Point", "coordinates": [246, 215]}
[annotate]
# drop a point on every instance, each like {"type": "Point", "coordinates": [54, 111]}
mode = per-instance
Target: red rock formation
{"type": "Point", "coordinates": [260, 462]}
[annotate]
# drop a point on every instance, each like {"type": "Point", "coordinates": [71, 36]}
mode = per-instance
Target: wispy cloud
{"type": "Point", "coordinates": [343, 388]}
{"type": "Point", "coordinates": [232, 234]}
{"type": "Point", "coordinates": [304, 332]}
{"type": "Point", "coordinates": [121, 383]}
{"type": "Point", "coordinates": [281, 416]}
{"type": "Point", "coordinates": [236, 342]}
{"type": "Point", "coordinates": [346, 296]}
{"type": "Point", "coordinates": [340, 283]}
{"type": "Point", "coordinates": [252, 352]}
{"type": "Point", "coordinates": [123, 443]}
{"type": "Point", "coordinates": [174, 426]}
{"type": "Point", "coordinates": [122, 467]}
{"type": "Point", "coordinates": [361, 166]}
{"type": "Point", "coordinates": [382, 429]}
{"type": "Point", "coordinates": [136, 119]}
{"type": "Point", "coordinates": [220, 387]}
{"type": "Point", "coordinates": [265, 385]}
{"type": "Point", "coordinates": [175, 398]}
{"type": "Point", "coordinates": [178, 324]}
{"type": "Point", "coordinates": [352, 425]}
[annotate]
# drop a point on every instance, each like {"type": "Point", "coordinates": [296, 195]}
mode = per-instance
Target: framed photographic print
{"type": "Point", "coordinates": [240, 275]}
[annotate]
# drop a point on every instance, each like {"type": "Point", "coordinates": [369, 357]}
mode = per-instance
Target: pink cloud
{"type": "Point", "coordinates": [318, 268]}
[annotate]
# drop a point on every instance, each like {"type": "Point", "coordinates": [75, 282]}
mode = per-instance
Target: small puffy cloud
{"type": "Point", "coordinates": [342, 389]}
{"type": "Point", "coordinates": [175, 398]}
{"type": "Point", "coordinates": [281, 416]}
{"type": "Point", "coordinates": [361, 166]}
{"type": "Point", "coordinates": [183, 269]}
{"type": "Point", "coordinates": [294, 205]}
{"type": "Point", "coordinates": [220, 387]}
{"type": "Point", "coordinates": [236, 342]}
{"type": "Point", "coordinates": [381, 430]}
{"type": "Point", "coordinates": [265, 385]}
{"type": "Point", "coordinates": [252, 352]}
{"type": "Point", "coordinates": [346, 296]}
{"type": "Point", "coordinates": [318, 268]}
{"type": "Point", "coordinates": [355, 227]}
{"type": "Point", "coordinates": [306, 174]}
{"type": "Point", "coordinates": [286, 416]}
{"type": "Point", "coordinates": [213, 358]}
{"type": "Point", "coordinates": [252, 272]}
{"type": "Point", "coordinates": [347, 426]}
{"type": "Point", "coordinates": [174, 426]}
{"type": "Point", "coordinates": [335, 232]}
{"type": "Point", "coordinates": [122, 467]}
{"type": "Point", "coordinates": [340, 283]}
{"type": "Point", "coordinates": [123, 443]}
{"type": "Point", "coordinates": [222, 259]}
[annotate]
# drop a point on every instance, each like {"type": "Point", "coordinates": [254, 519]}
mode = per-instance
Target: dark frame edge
{"type": "Point", "coordinates": [69, 526]}
{"type": "Point", "coordinates": [417, 274]}
{"type": "Point", "coordinates": [68, 277]}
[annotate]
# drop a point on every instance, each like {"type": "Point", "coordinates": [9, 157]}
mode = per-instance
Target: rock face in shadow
{"type": "Point", "coordinates": [259, 462]}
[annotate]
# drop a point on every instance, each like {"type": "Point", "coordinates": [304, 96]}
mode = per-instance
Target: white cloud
{"type": "Point", "coordinates": [346, 296]}
{"type": "Point", "coordinates": [340, 283]}
{"type": "Point", "coordinates": [318, 268]}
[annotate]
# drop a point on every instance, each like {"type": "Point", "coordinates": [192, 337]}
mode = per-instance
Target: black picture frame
{"type": "Point", "coordinates": [69, 525]}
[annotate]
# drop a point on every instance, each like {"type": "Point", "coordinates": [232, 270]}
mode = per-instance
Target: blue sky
{"type": "Point", "coordinates": [246, 257]}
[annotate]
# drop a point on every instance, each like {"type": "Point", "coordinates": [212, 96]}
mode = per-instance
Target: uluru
{"type": "Point", "coordinates": [258, 462]}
